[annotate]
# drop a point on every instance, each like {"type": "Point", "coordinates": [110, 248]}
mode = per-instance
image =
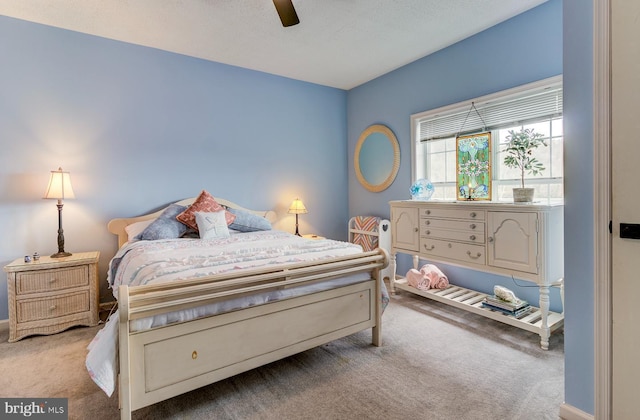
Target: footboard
{"type": "Point", "coordinates": [160, 363]}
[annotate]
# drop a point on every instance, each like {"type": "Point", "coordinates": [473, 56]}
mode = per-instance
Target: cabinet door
{"type": "Point", "coordinates": [405, 229]}
{"type": "Point", "coordinates": [513, 241]}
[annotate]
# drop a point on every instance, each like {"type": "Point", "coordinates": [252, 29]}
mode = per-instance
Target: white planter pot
{"type": "Point", "coordinates": [523, 195]}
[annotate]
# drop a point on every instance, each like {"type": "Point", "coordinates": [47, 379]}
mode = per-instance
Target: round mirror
{"type": "Point", "coordinates": [377, 158]}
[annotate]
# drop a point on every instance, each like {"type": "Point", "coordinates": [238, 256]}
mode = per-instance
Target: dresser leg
{"type": "Point", "coordinates": [544, 311]}
{"type": "Point", "coordinates": [392, 278]}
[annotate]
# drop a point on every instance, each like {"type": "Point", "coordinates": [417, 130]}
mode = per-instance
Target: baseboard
{"type": "Point", "coordinates": [569, 412]}
{"type": "Point", "coordinates": [4, 325]}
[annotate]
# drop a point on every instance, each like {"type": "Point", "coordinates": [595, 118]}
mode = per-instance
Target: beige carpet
{"type": "Point", "coordinates": [437, 362]}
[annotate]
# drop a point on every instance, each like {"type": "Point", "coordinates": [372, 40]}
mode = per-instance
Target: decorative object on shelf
{"type": "Point", "coordinates": [505, 294]}
{"type": "Point", "coordinates": [297, 207]}
{"type": "Point", "coordinates": [519, 155]}
{"type": "Point", "coordinates": [422, 189]}
{"type": "Point", "coordinates": [473, 166]}
{"type": "Point", "coordinates": [60, 188]}
{"type": "Point", "coordinates": [377, 158]}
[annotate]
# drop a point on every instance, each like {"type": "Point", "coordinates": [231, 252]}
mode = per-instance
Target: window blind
{"type": "Point", "coordinates": [474, 117]}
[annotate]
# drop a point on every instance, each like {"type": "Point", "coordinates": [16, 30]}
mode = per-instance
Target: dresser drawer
{"type": "Point", "coordinates": [52, 307]}
{"type": "Point", "coordinates": [54, 279]}
{"type": "Point", "coordinates": [453, 213]}
{"type": "Point", "coordinates": [470, 253]}
{"type": "Point", "coordinates": [454, 235]}
{"type": "Point", "coordinates": [452, 224]}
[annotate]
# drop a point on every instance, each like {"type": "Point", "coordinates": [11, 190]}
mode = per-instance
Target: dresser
{"type": "Point", "coordinates": [523, 241]}
{"type": "Point", "coordinates": [49, 295]}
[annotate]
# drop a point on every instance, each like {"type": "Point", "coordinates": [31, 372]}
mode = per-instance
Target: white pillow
{"type": "Point", "coordinates": [135, 229]}
{"type": "Point", "coordinates": [212, 225]}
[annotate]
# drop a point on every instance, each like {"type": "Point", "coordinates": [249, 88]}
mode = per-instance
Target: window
{"type": "Point", "coordinates": [537, 105]}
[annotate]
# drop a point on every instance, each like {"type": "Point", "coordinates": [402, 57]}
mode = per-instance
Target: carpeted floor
{"type": "Point", "coordinates": [437, 362]}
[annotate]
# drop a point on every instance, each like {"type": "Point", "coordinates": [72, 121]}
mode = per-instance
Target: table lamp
{"type": "Point", "coordinates": [297, 207]}
{"type": "Point", "coordinates": [60, 188]}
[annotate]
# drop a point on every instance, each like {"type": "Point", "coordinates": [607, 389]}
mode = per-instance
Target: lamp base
{"type": "Point", "coordinates": [61, 254]}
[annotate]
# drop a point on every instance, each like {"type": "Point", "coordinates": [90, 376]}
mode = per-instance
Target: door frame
{"type": "Point", "coordinates": [602, 208]}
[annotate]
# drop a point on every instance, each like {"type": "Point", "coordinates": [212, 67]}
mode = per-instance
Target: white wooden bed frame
{"type": "Point", "coordinates": [161, 363]}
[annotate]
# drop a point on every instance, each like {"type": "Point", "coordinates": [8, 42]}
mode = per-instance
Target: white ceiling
{"type": "Point", "coordinates": [338, 43]}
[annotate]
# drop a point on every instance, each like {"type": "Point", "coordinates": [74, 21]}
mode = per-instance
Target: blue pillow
{"type": "Point", "coordinates": [166, 226]}
{"type": "Point", "coordinates": [246, 221]}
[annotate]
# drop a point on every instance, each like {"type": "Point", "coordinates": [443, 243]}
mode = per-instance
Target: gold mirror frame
{"type": "Point", "coordinates": [382, 129]}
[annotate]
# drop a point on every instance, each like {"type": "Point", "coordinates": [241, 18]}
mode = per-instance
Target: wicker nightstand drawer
{"type": "Point", "coordinates": [49, 280]}
{"type": "Point", "coordinates": [52, 307]}
{"type": "Point", "coordinates": [52, 294]}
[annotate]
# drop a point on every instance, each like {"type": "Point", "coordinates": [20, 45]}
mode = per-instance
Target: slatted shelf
{"type": "Point", "coordinates": [471, 300]}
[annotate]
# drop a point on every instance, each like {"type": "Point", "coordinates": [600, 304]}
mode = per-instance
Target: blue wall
{"type": "Point", "coordinates": [579, 213]}
{"type": "Point", "coordinates": [139, 128]}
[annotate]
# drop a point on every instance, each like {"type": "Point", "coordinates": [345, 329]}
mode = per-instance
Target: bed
{"type": "Point", "coordinates": [193, 311]}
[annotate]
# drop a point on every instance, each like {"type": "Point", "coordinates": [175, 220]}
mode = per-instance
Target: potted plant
{"type": "Point", "coordinates": [519, 155]}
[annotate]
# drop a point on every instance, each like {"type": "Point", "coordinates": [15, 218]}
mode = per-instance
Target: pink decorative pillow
{"type": "Point", "coordinates": [204, 203]}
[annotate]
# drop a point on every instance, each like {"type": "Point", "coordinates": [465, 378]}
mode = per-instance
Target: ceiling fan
{"type": "Point", "coordinates": [287, 13]}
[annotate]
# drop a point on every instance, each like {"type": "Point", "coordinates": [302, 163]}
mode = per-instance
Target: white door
{"type": "Point", "coordinates": [625, 123]}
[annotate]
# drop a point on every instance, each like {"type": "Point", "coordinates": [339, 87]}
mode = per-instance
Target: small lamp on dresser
{"type": "Point", "coordinates": [60, 188]}
{"type": "Point", "coordinates": [297, 207]}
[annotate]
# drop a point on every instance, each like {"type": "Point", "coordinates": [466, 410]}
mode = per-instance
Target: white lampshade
{"type": "Point", "coordinates": [59, 185]}
{"type": "Point", "coordinates": [297, 207]}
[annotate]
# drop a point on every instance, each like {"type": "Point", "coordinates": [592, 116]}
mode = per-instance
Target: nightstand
{"type": "Point", "coordinates": [49, 295]}
{"type": "Point", "coordinates": [312, 236]}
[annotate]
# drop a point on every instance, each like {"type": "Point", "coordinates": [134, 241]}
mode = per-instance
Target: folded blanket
{"type": "Point", "coordinates": [418, 280]}
{"type": "Point", "coordinates": [437, 279]}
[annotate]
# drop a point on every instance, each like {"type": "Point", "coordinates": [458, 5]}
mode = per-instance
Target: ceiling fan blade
{"type": "Point", "coordinates": [287, 13]}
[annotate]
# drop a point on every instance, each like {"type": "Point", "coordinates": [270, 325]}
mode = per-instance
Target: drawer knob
{"type": "Point", "coordinates": [52, 307]}
{"type": "Point", "coordinates": [472, 237]}
{"type": "Point", "coordinates": [53, 280]}
{"type": "Point", "coordinates": [490, 238]}
{"type": "Point", "coordinates": [472, 225]}
{"type": "Point", "coordinates": [194, 355]}
{"type": "Point", "coordinates": [415, 229]}
{"type": "Point", "coordinates": [428, 211]}
{"type": "Point", "coordinates": [428, 232]}
{"type": "Point", "coordinates": [478, 255]}
{"type": "Point", "coordinates": [473, 214]}
{"type": "Point", "coordinates": [429, 248]}
{"type": "Point", "coordinates": [428, 222]}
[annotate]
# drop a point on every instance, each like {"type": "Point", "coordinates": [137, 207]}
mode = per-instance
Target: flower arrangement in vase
{"type": "Point", "coordinates": [519, 155]}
